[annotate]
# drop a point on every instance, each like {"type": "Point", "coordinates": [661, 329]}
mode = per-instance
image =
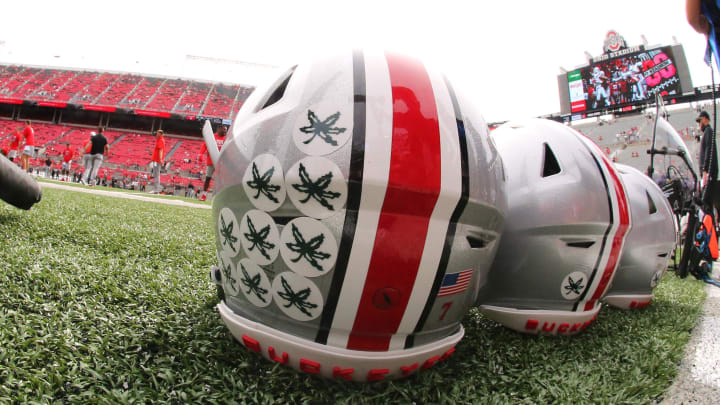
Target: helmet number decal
{"type": "Point", "coordinates": [446, 307]}
{"type": "Point", "coordinates": [573, 285]}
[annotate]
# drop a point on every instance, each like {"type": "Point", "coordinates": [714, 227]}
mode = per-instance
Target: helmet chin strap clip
{"type": "Point", "coordinates": [210, 141]}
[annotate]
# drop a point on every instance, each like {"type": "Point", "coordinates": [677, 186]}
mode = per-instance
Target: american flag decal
{"type": "Point", "coordinates": [455, 283]}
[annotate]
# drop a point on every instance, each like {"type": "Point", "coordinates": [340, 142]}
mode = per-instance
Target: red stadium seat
{"type": "Point", "coordinates": [220, 101]}
{"type": "Point", "coordinates": [168, 95]}
{"type": "Point", "coordinates": [121, 90]}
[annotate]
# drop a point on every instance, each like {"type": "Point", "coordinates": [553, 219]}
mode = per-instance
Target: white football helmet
{"type": "Point", "coordinates": [360, 201]}
{"type": "Point", "coordinates": [565, 227]}
{"type": "Point", "coordinates": [649, 244]}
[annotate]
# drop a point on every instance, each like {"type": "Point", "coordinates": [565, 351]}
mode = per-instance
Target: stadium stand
{"type": "Point", "coordinates": [220, 101]}
{"type": "Point", "coordinates": [194, 98]}
{"type": "Point", "coordinates": [46, 135]}
{"type": "Point", "coordinates": [17, 80]}
{"type": "Point", "coordinates": [134, 149]}
{"type": "Point", "coordinates": [185, 157]}
{"type": "Point", "coordinates": [75, 85]}
{"type": "Point", "coordinates": [66, 105]}
{"type": "Point", "coordinates": [78, 137]}
{"type": "Point", "coordinates": [168, 95]}
{"type": "Point", "coordinates": [141, 95]}
{"type": "Point", "coordinates": [6, 130]}
{"type": "Point", "coordinates": [48, 91]}
{"type": "Point", "coordinates": [631, 150]}
{"type": "Point", "coordinates": [33, 83]}
{"type": "Point", "coordinates": [6, 73]}
{"type": "Point", "coordinates": [96, 87]}
{"type": "Point", "coordinates": [607, 133]}
{"type": "Point", "coordinates": [121, 90]}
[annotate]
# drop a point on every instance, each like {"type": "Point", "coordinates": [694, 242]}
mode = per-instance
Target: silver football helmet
{"type": "Point", "coordinates": [360, 200]}
{"type": "Point", "coordinates": [649, 244]}
{"type": "Point", "coordinates": [565, 227]}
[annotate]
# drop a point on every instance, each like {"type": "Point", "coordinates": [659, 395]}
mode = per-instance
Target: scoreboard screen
{"type": "Point", "coordinates": [635, 76]}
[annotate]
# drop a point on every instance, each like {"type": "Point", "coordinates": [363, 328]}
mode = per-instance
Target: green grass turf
{"type": "Point", "coordinates": [108, 300]}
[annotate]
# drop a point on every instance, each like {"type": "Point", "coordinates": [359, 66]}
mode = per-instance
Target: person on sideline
{"type": "Point", "coordinates": [98, 145]}
{"type": "Point", "coordinates": [29, 150]}
{"type": "Point", "coordinates": [156, 161]}
{"type": "Point", "coordinates": [210, 170]}
{"type": "Point", "coordinates": [15, 144]}
{"type": "Point", "coordinates": [68, 155]}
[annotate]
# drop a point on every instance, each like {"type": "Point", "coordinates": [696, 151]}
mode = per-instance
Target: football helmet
{"type": "Point", "coordinates": [565, 227]}
{"type": "Point", "coordinates": [360, 200]}
{"type": "Point", "coordinates": [648, 246]}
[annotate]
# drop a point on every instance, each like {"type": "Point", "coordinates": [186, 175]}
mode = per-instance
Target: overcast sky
{"type": "Point", "coordinates": [505, 55]}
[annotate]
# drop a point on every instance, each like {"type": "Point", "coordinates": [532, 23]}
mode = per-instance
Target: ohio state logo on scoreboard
{"type": "Point", "coordinates": [613, 42]}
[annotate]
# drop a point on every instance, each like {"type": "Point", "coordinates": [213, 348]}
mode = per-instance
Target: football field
{"type": "Point", "coordinates": [108, 300]}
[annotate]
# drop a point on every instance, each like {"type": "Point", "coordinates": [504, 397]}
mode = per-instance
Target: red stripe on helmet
{"type": "Point", "coordinates": [617, 240]}
{"type": "Point", "coordinates": [411, 195]}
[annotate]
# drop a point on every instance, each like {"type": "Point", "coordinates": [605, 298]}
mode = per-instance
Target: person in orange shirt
{"type": "Point", "coordinates": [156, 161]}
{"type": "Point", "coordinates": [29, 150]}
{"type": "Point", "coordinates": [219, 139]}
{"type": "Point", "coordinates": [15, 144]}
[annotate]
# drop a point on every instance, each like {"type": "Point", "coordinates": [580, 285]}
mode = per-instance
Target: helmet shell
{"type": "Point", "coordinates": [567, 220]}
{"type": "Point", "coordinates": [649, 244]}
{"type": "Point", "coordinates": [360, 201]}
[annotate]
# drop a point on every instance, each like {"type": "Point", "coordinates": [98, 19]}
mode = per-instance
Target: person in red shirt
{"type": "Point", "coordinates": [158, 156]}
{"type": "Point", "coordinates": [220, 139]}
{"type": "Point", "coordinates": [29, 150]}
{"type": "Point", "coordinates": [15, 144]}
{"type": "Point", "coordinates": [68, 155]}
{"type": "Point", "coordinates": [125, 178]}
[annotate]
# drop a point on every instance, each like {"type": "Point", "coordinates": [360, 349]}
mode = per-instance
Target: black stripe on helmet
{"type": "Point", "coordinates": [452, 226]}
{"type": "Point", "coordinates": [355, 179]}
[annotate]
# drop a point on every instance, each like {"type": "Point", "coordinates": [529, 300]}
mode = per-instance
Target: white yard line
{"type": "Point", "coordinates": [129, 196]}
{"type": "Point", "coordinates": [698, 379]}
{"type": "Point", "coordinates": [706, 362]}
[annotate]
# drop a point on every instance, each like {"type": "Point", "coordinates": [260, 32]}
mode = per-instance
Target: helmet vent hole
{"type": "Point", "coordinates": [583, 245]}
{"type": "Point", "coordinates": [550, 163]}
{"type": "Point", "coordinates": [476, 243]}
{"type": "Point", "coordinates": [278, 93]}
{"type": "Point", "coordinates": [651, 204]}
{"type": "Point", "coordinates": [663, 255]}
